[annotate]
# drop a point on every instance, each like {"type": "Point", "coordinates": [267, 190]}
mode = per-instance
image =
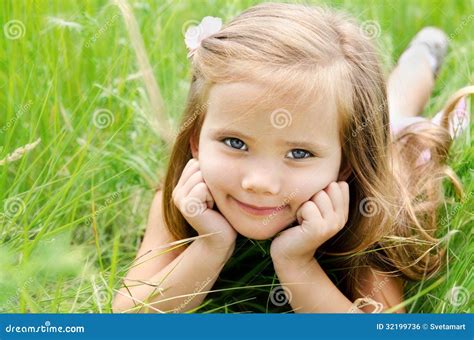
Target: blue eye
{"type": "Point", "coordinates": [300, 154]}
{"type": "Point", "coordinates": [234, 143]}
{"type": "Point", "coordinates": [238, 144]}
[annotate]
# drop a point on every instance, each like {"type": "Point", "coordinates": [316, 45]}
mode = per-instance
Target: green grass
{"type": "Point", "coordinates": [73, 209]}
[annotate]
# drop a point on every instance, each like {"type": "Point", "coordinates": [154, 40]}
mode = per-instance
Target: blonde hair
{"type": "Point", "coordinates": [314, 50]}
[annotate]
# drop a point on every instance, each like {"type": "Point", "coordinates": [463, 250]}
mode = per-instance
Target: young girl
{"type": "Point", "coordinates": [286, 136]}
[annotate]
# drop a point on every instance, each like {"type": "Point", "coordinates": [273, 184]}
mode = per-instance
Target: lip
{"type": "Point", "coordinates": [259, 211]}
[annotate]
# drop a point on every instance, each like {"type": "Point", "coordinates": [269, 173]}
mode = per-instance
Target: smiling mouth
{"type": "Point", "coordinates": [259, 211]}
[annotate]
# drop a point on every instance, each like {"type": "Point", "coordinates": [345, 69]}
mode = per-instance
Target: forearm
{"type": "Point", "coordinates": [310, 288]}
{"type": "Point", "coordinates": [179, 286]}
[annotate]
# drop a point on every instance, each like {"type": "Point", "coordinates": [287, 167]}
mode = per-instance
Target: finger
{"type": "Point", "coordinates": [346, 198]}
{"type": "Point", "coordinates": [289, 241]}
{"type": "Point", "coordinates": [201, 192]}
{"type": "Point", "coordinates": [323, 202]}
{"type": "Point", "coordinates": [335, 194]}
{"type": "Point", "coordinates": [191, 167]}
{"type": "Point", "coordinates": [209, 198]}
{"type": "Point", "coordinates": [188, 170]}
{"type": "Point", "coordinates": [195, 179]}
{"type": "Point", "coordinates": [195, 203]}
{"type": "Point", "coordinates": [308, 212]}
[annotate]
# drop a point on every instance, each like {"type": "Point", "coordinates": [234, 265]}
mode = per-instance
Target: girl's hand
{"type": "Point", "coordinates": [319, 219]}
{"type": "Point", "coordinates": [193, 198]}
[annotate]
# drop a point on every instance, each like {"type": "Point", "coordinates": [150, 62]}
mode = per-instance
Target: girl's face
{"type": "Point", "coordinates": [266, 154]}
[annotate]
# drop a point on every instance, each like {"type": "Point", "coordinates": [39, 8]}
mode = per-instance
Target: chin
{"type": "Point", "coordinates": [256, 236]}
{"type": "Point", "coordinates": [262, 232]}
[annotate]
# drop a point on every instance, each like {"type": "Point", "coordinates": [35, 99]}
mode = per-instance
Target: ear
{"type": "Point", "coordinates": [194, 146]}
{"type": "Point", "coordinates": [344, 171]}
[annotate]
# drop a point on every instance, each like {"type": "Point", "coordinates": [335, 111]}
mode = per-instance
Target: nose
{"type": "Point", "coordinates": [261, 179]}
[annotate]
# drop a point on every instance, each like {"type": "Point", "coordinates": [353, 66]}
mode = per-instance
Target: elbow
{"type": "Point", "coordinates": [124, 304]}
{"type": "Point", "coordinates": [119, 305]}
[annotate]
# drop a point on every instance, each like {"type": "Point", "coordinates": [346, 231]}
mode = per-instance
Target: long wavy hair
{"type": "Point", "coordinates": [392, 221]}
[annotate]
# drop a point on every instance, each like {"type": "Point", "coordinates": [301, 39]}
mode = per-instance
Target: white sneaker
{"type": "Point", "coordinates": [434, 41]}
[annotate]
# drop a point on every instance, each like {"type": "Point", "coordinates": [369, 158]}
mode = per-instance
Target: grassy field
{"type": "Point", "coordinates": [81, 153]}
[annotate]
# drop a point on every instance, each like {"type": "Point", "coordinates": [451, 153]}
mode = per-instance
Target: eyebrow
{"type": "Point", "coordinates": [302, 143]}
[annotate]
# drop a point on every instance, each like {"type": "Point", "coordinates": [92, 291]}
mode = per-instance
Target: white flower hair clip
{"type": "Point", "coordinates": [195, 34]}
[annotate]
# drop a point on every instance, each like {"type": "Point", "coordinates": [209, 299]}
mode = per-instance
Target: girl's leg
{"type": "Point", "coordinates": [411, 82]}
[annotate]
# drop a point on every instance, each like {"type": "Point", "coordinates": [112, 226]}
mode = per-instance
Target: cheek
{"type": "Point", "coordinates": [215, 170]}
{"type": "Point", "coordinates": [307, 185]}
